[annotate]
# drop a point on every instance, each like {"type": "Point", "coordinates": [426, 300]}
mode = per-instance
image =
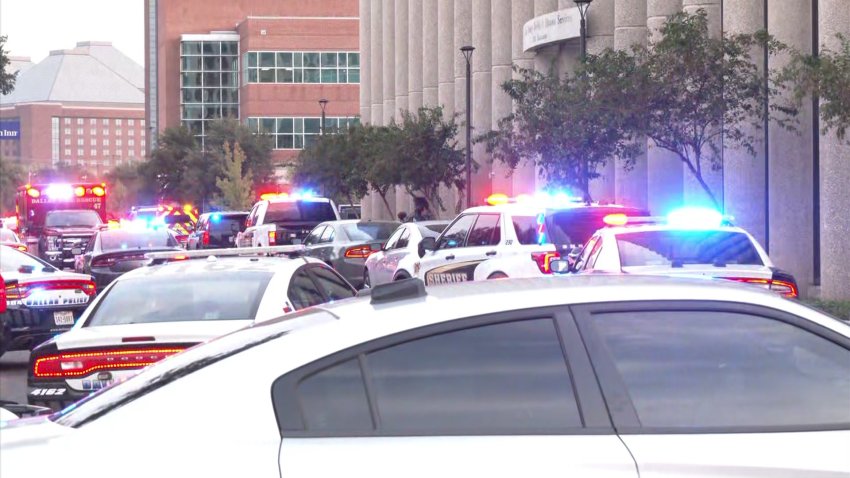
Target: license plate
{"type": "Point", "coordinates": [76, 251]}
{"type": "Point", "coordinates": [64, 317]}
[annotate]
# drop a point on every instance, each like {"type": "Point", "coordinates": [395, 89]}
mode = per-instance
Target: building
{"type": "Point", "coordinates": [81, 107]}
{"type": "Point", "coordinates": [19, 64]}
{"type": "Point", "coordinates": [792, 195]}
{"type": "Point", "coordinates": [266, 63]}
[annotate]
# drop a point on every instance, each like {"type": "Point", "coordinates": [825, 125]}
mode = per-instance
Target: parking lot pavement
{"type": "Point", "coordinates": [13, 376]}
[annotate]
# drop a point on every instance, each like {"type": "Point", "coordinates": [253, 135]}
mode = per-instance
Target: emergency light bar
{"type": "Point", "coordinates": [160, 257]}
{"type": "Point", "coordinates": [685, 218]}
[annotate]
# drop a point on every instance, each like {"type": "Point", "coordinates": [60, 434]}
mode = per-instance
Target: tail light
{"type": "Point", "coordinates": [69, 365]}
{"type": "Point", "coordinates": [272, 239]}
{"type": "Point", "coordinates": [22, 291]}
{"type": "Point", "coordinates": [544, 260]}
{"type": "Point", "coordinates": [359, 252]}
{"type": "Point", "coordinates": [205, 238]}
{"type": "Point", "coordinates": [784, 287]}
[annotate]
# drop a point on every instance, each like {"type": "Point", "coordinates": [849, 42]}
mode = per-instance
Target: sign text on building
{"type": "Point", "coordinates": [551, 28]}
{"type": "Point", "coordinates": [10, 129]}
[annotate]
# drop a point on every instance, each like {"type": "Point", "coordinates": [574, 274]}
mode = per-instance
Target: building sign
{"type": "Point", "coordinates": [551, 28]}
{"type": "Point", "coordinates": [10, 129]}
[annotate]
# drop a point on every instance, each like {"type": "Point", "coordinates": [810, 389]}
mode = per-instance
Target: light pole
{"type": "Point", "coordinates": [323, 102]}
{"type": "Point", "coordinates": [583, 5]}
{"type": "Point", "coordinates": [467, 54]}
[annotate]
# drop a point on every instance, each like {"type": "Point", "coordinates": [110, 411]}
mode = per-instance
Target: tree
{"type": "Point", "coordinates": [7, 80]}
{"type": "Point", "coordinates": [124, 185]}
{"type": "Point", "coordinates": [335, 163]}
{"type": "Point", "coordinates": [826, 76]}
{"type": "Point", "coordinates": [571, 126]}
{"type": "Point", "coordinates": [696, 94]}
{"type": "Point", "coordinates": [383, 160]}
{"type": "Point", "coordinates": [11, 178]}
{"type": "Point", "coordinates": [427, 155]}
{"type": "Point", "coordinates": [163, 175]}
{"type": "Point", "coordinates": [235, 185]}
{"type": "Point", "coordinates": [257, 148]}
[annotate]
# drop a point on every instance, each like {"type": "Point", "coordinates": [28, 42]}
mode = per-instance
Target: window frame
{"type": "Point", "coordinates": [623, 412]}
{"type": "Point", "coordinates": [591, 407]}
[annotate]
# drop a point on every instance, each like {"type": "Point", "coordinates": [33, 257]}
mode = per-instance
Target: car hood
{"type": "Point", "coordinates": [162, 332]}
{"type": "Point", "coordinates": [39, 276]}
{"type": "Point", "coordinates": [704, 270]}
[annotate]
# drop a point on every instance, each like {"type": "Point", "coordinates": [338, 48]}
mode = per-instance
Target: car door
{"type": "Point", "coordinates": [382, 270]}
{"type": "Point", "coordinates": [246, 237]}
{"type": "Point", "coordinates": [398, 251]}
{"type": "Point", "coordinates": [470, 240]}
{"type": "Point", "coordinates": [490, 396]}
{"type": "Point", "coordinates": [710, 389]}
{"type": "Point", "coordinates": [324, 248]}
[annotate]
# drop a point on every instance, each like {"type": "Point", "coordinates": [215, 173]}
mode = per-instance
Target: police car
{"type": "Point", "coordinates": [150, 313]}
{"type": "Point", "coordinates": [689, 241]}
{"type": "Point", "coordinates": [583, 376]}
{"type": "Point", "coordinates": [511, 237]}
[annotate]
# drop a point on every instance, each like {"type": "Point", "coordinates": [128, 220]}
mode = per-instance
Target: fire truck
{"type": "Point", "coordinates": [59, 219]}
{"type": "Point", "coordinates": [181, 220]}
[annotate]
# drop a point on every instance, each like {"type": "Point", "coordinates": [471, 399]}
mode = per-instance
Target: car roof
{"type": "Point", "coordinates": [534, 208]}
{"type": "Point", "coordinates": [224, 213]}
{"type": "Point", "coordinates": [221, 265]}
{"type": "Point", "coordinates": [653, 227]}
{"type": "Point", "coordinates": [358, 221]}
{"type": "Point", "coordinates": [289, 199]}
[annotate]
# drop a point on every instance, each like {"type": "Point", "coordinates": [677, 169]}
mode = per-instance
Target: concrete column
{"type": "Point", "coordinates": [402, 199]}
{"type": "Point", "coordinates": [543, 60]}
{"type": "Point", "coordinates": [388, 42]}
{"type": "Point", "coordinates": [712, 8]}
{"type": "Point", "coordinates": [376, 65]}
{"type": "Point", "coordinates": [600, 30]}
{"type": "Point", "coordinates": [834, 17]}
{"type": "Point", "coordinates": [665, 171]}
{"type": "Point", "coordinates": [629, 29]}
{"type": "Point", "coordinates": [365, 83]}
{"type": "Point", "coordinates": [501, 30]}
{"type": "Point", "coordinates": [462, 36]}
{"type": "Point", "coordinates": [446, 56]}
{"type": "Point", "coordinates": [744, 186]}
{"type": "Point", "coordinates": [482, 98]}
{"type": "Point", "coordinates": [524, 177]}
{"type": "Point", "coordinates": [790, 173]}
{"type": "Point", "coordinates": [414, 59]}
{"type": "Point", "coordinates": [569, 53]}
{"type": "Point", "coordinates": [430, 48]}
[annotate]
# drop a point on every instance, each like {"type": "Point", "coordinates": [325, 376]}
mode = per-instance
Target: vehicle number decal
{"type": "Point", "coordinates": [48, 392]}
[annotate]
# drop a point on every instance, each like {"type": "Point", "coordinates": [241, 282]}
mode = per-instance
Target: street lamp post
{"type": "Point", "coordinates": [323, 102]}
{"type": "Point", "coordinates": [467, 54]}
{"type": "Point", "coordinates": [583, 5]}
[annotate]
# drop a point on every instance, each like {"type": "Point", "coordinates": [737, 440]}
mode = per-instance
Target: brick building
{"type": "Point", "coordinates": [81, 107]}
{"type": "Point", "coordinates": [266, 63]}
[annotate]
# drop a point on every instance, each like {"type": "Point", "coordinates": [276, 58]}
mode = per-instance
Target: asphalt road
{"type": "Point", "coordinates": [13, 376]}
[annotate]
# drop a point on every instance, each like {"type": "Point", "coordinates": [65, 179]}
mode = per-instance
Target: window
{"type": "Point", "coordinates": [79, 121]}
{"type": "Point", "coordinates": [208, 80]}
{"type": "Point", "coordinates": [118, 142]}
{"type": "Point", "coordinates": [686, 247]}
{"type": "Point", "coordinates": [507, 376]}
{"type": "Point", "coordinates": [105, 132]}
{"type": "Point", "coordinates": [581, 262]}
{"type": "Point", "coordinates": [748, 371]}
{"type": "Point", "coordinates": [80, 131]}
{"type": "Point", "coordinates": [131, 142]}
{"type": "Point", "coordinates": [93, 141]}
{"type": "Point", "coordinates": [118, 132]}
{"type": "Point", "coordinates": [131, 122]}
{"type": "Point", "coordinates": [67, 141]}
{"type": "Point", "coordinates": [335, 399]}
{"type": "Point", "coordinates": [80, 141]}
{"type": "Point", "coordinates": [296, 133]}
{"type": "Point", "coordinates": [315, 234]}
{"type": "Point", "coordinates": [105, 142]}
{"type": "Point", "coordinates": [327, 235]}
{"type": "Point", "coordinates": [455, 235]}
{"type": "Point", "coordinates": [300, 67]}
{"type": "Point", "coordinates": [404, 239]}
{"type": "Point", "coordinates": [67, 120]}
{"type": "Point", "coordinates": [92, 121]}
{"type": "Point", "coordinates": [594, 254]}
{"type": "Point", "coordinates": [302, 291]}
{"type": "Point", "coordinates": [331, 284]}
{"type": "Point", "coordinates": [93, 153]}
{"type": "Point", "coordinates": [93, 132]}
{"type": "Point", "coordinates": [118, 122]}
{"type": "Point", "coordinates": [485, 232]}
{"type": "Point", "coordinates": [105, 121]}
{"type": "Point", "coordinates": [79, 152]}
{"type": "Point", "coordinates": [67, 152]}
{"type": "Point", "coordinates": [526, 228]}
{"type": "Point", "coordinates": [393, 240]}
{"type": "Point", "coordinates": [67, 130]}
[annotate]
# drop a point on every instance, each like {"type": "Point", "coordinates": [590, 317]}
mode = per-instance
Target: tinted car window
{"type": "Point", "coordinates": [746, 370]}
{"type": "Point", "coordinates": [300, 211]}
{"type": "Point", "coordinates": [391, 242]}
{"type": "Point", "coordinates": [334, 399]}
{"type": "Point", "coordinates": [11, 260]}
{"type": "Point", "coordinates": [404, 240]}
{"type": "Point", "coordinates": [302, 291]}
{"type": "Point", "coordinates": [226, 223]}
{"type": "Point", "coordinates": [195, 296]}
{"type": "Point", "coordinates": [507, 376]}
{"type": "Point", "coordinates": [653, 248]}
{"type": "Point", "coordinates": [455, 235]}
{"type": "Point", "coordinates": [526, 228]}
{"type": "Point", "coordinates": [573, 227]}
{"type": "Point", "coordinates": [364, 231]}
{"type": "Point", "coordinates": [72, 219]}
{"type": "Point", "coordinates": [486, 231]}
{"type": "Point", "coordinates": [333, 286]}
{"type": "Point", "coordinates": [327, 235]}
{"type": "Point", "coordinates": [314, 236]}
{"type": "Point", "coordinates": [121, 240]}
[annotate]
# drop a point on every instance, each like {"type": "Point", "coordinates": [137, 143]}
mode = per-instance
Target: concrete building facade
{"type": "Point", "coordinates": [792, 195]}
{"type": "Point", "coordinates": [266, 63]}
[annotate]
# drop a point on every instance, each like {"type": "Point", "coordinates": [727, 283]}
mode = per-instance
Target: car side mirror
{"type": "Point", "coordinates": [560, 266]}
{"type": "Point", "coordinates": [427, 244]}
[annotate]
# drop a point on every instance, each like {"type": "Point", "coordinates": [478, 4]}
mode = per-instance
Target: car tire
{"type": "Point", "coordinates": [497, 275]}
{"type": "Point", "coordinates": [401, 276]}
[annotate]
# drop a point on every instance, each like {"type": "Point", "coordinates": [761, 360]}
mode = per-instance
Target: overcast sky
{"type": "Point", "coordinates": [35, 27]}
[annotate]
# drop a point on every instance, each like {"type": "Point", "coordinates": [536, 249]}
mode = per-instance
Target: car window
{"type": "Point", "coordinates": [594, 254]}
{"type": "Point", "coordinates": [526, 228]}
{"type": "Point", "coordinates": [303, 291]}
{"type": "Point", "coordinates": [92, 243]}
{"type": "Point", "coordinates": [252, 217]}
{"type": "Point", "coordinates": [327, 235]}
{"type": "Point", "coordinates": [72, 218]}
{"type": "Point", "coordinates": [581, 263]}
{"type": "Point", "coordinates": [486, 231]}
{"type": "Point", "coordinates": [747, 370]}
{"type": "Point", "coordinates": [665, 248]}
{"type": "Point", "coordinates": [300, 211]}
{"type": "Point", "coordinates": [369, 231]}
{"type": "Point", "coordinates": [331, 284]}
{"type": "Point", "coordinates": [455, 235]}
{"type": "Point", "coordinates": [225, 223]}
{"type": "Point", "coordinates": [334, 399]}
{"type": "Point", "coordinates": [574, 226]}
{"type": "Point", "coordinates": [506, 376]}
{"type": "Point", "coordinates": [118, 240]}
{"type": "Point", "coordinates": [391, 242]}
{"type": "Point", "coordinates": [11, 260]}
{"type": "Point", "coordinates": [315, 234]}
{"type": "Point", "coordinates": [404, 240]}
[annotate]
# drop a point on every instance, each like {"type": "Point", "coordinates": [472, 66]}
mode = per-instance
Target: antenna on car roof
{"type": "Point", "coordinates": [398, 290]}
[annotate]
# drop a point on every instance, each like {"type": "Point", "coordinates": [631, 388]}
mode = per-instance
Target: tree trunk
{"type": "Point", "coordinates": [383, 195]}
{"type": "Point", "coordinates": [698, 174]}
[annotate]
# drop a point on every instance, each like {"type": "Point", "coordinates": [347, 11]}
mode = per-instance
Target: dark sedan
{"type": "Point", "coordinates": [345, 245]}
{"type": "Point", "coordinates": [116, 251]}
{"type": "Point", "coordinates": [217, 230]}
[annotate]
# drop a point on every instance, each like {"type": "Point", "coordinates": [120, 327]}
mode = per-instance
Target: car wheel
{"type": "Point", "coordinates": [498, 275]}
{"type": "Point", "coordinates": [401, 276]}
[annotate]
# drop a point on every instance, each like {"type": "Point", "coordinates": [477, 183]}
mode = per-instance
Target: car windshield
{"type": "Point", "coordinates": [177, 366]}
{"type": "Point", "coordinates": [680, 247]}
{"type": "Point", "coordinates": [573, 227]}
{"type": "Point", "coordinates": [72, 219]}
{"type": "Point", "coordinates": [300, 211]}
{"type": "Point", "coordinates": [433, 230]}
{"type": "Point", "coordinates": [11, 260]}
{"type": "Point", "coordinates": [365, 231]}
{"type": "Point", "coordinates": [227, 222]}
{"type": "Point", "coordinates": [121, 240]}
{"type": "Point", "coordinates": [195, 296]}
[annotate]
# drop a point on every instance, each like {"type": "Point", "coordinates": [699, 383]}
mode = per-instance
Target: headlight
{"type": "Point", "coordinates": [52, 243]}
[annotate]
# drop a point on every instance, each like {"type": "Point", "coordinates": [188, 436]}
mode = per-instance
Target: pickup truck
{"type": "Point", "coordinates": [285, 221]}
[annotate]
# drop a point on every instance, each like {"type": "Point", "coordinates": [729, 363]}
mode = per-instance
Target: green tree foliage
{"type": "Point", "coordinates": [827, 76]}
{"type": "Point", "coordinates": [383, 160]}
{"type": "Point", "coordinates": [12, 177]}
{"type": "Point", "coordinates": [256, 148]}
{"type": "Point", "coordinates": [235, 186]}
{"type": "Point", "coordinates": [428, 155]}
{"type": "Point", "coordinates": [124, 184]}
{"type": "Point", "coordinates": [335, 165]}
{"type": "Point", "coordinates": [7, 80]}
{"type": "Point", "coordinates": [163, 175]}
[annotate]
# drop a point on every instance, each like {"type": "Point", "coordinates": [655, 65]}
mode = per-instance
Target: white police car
{"type": "Point", "coordinates": [510, 238]}
{"type": "Point", "coordinates": [689, 241]}
{"type": "Point", "coordinates": [396, 260]}
{"type": "Point", "coordinates": [152, 312]}
{"type": "Point", "coordinates": [584, 376]}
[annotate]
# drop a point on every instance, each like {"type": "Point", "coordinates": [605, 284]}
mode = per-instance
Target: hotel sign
{"type": "Point", "coordinates": [551, 28]}
{"type": "Point", "coordinates": [10, 129]}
